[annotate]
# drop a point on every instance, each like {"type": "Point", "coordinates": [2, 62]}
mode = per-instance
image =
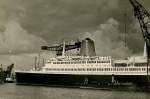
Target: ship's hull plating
{"type": "Point", "coordinates": [79, 80]}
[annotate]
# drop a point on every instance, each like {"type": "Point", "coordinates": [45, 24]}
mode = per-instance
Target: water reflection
{"type": "Point", "coordinates": [12, 91]}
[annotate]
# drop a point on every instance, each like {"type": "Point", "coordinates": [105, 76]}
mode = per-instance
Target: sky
{"type": "Point", "coordinates": [25, 25]}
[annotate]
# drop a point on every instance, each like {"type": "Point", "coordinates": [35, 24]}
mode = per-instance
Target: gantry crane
{"type": "Point", "coordinates": [143, 17]}
{"type": "Point", "coordinates": [60, 49]}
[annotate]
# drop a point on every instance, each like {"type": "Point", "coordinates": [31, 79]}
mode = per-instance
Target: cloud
{"type": "Point", "coordinates": [21, 61]}
{"type": "Point", "coordinates": [18, 46]}
{"type": "Point", "coordinates": [17, 40]}
{"type": "Point", "coordinates": [58, 18]}
{"type": "Point", "coordinates": [25, 25]}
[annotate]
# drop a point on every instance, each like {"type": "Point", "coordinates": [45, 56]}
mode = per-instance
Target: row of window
{"type": "Point", "coordinates": [100, 58]}
{"type": "Point", "coordinates": [96, 69]}
{"type": "Point", "coordinates": [81, 62]}
{"type": "Point", "coordinates": [140, 64]}
{"type": "Point", "coordinates": [125, 65]}
{"type": "Point", "coordinates": [120, 65]}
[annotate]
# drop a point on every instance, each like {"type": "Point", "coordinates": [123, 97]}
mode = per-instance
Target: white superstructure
{"type": "Point", "coordinates": [96, 65]}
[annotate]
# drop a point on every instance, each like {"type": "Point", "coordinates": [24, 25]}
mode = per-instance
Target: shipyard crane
{"type": "Point", "coordinates": [9, 70]}
{"type": "Point", "coordinates": [60, 49]}
{"type": "Point", "coordinates": [143, 17]}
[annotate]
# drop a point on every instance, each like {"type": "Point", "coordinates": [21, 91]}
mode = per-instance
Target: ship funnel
{"type": "Point", "coordinates": [87, 47]}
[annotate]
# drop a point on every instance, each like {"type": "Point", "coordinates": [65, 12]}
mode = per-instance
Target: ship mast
{"type": "Point", "coordinates": [64, 45]}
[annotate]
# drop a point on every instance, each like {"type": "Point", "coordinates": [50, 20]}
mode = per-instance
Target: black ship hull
{"type": "Point", "coordinates": [76, 80]}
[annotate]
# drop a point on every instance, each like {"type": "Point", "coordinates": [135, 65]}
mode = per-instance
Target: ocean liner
{"type": "Point", "coordinates": [87, 69]}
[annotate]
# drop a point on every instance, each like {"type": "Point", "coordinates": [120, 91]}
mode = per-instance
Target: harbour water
{"type": "Point", "coordinates": [13, 91]}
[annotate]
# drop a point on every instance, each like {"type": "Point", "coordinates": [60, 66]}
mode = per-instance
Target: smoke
{"type": "Point", "coordinates": [107, 40]}
{"type": "Point", "coordinates": [86, 35]}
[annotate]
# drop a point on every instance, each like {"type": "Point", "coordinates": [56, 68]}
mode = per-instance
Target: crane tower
{"type": "Point", "coordinates": [143, 17]}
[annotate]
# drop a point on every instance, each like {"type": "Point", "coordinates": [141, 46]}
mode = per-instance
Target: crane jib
{"type": "Point", "coordinates": [143, 17]}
